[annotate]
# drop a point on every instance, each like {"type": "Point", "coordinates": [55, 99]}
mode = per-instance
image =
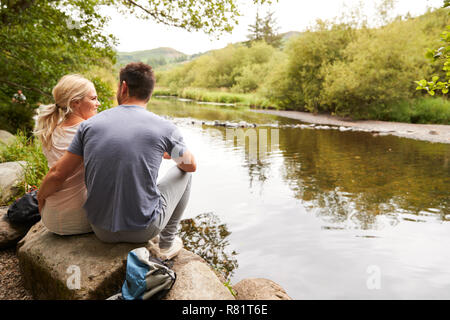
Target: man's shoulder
{"type": "Point", "coordinates": [161, 121]}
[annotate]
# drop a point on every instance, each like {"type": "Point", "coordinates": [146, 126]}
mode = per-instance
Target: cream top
{"type": "Point", "coordinates": [63, 212]}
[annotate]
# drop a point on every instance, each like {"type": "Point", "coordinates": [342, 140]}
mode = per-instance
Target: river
{"type": "Point", "coordinates": [326, 214]}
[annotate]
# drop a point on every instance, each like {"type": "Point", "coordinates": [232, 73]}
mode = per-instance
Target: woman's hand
{"type": "Point", "coordinates": [166, 156]}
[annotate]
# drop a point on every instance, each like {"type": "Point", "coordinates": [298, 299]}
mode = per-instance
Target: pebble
{"type": "Point", "coordinates": [11, 285]}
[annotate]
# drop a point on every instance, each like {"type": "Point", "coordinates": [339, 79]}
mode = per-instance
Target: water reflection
{"type": "Point", "coordinates": [206, 236]}
{"type": "Point", "coordinates": [353, 176]}
{"type": "Point", "coordinates": [349, 178]}
{"type": "Point", "coordinates": [178, 109]}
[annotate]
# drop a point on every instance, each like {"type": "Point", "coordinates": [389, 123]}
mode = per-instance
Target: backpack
{"type": "Point", "coordinates": [25, 210]}
{"type": "Point", "coordinates": [147, 277]}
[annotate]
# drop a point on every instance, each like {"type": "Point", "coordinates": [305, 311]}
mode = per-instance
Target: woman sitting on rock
{"type": "Point", "coordinates": [75, 101]}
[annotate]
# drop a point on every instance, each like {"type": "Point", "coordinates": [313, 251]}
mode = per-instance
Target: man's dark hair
{"type": "Point", "coordinates": [140, 80]}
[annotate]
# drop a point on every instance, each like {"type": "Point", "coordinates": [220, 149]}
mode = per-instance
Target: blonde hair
{"type": "Point", "coordinates": [70, 88]}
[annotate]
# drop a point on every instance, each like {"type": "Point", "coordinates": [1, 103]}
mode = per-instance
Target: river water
{"type": "Point", "coordinates": [325, 214]}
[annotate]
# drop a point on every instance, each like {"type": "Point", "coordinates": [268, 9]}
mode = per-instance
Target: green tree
{"type": "Point", "coordinates": [298, 83]}
{"type": "Point", "coordinates": [441, 54]}
{"type": "Point", "coordinates": [264, 29]}
{"type": "Point", "coordinates": [256, 29]}
{"type": "Point", "coordinates": [270, 31]}
{"type": "Point", "coordinates": [374, 75]}
{"type": "Point", "coordinates": [41, 40]}
{"type": "Point", "coordinates": [40, 43]}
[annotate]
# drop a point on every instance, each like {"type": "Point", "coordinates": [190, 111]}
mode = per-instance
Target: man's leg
{"type": "Point", "coordinates": [175, 189]}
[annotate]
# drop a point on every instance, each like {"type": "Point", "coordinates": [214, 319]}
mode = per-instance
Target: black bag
{"type": "Point", "coordinates": [25, 210]}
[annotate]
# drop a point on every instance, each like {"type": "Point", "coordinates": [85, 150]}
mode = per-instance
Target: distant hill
{"type": "Point", "coordinates": [290, 34]}
{"type": "Point", "coordinates": [154, 57]}
{"type": "Point", "coordinates": [165, 58]}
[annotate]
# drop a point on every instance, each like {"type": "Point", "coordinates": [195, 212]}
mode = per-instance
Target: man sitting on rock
{"type": "Point", "coordinates": [122, 149]}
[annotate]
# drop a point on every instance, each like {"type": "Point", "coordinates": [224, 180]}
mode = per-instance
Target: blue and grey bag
{"type": "Point", "coordinates": [147, 277]}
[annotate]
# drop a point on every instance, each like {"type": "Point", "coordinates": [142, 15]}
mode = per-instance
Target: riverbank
{"type": "Point", "coordinates": [436, 133]}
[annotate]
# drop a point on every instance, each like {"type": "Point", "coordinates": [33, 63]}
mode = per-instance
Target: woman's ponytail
{"type": "Point", "coordinates": [48, 118]}
{"type": "Point", "coordinates": [70, 88]}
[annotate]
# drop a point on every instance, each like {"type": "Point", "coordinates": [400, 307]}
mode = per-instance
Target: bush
{"type": "Point", "coordinates": [17, 116]}
{"type": "Point", "coordinates": [425, 110]}
{"type": "Point", "coordinates": [431, 110]}
{"type": "Point", "coordinates": [28, 149]}
{"type": "Point", "coordinates": [105, 94]}
{"type": "Point", "coordinates": [298, 83]}
{"type": "Point", "coordinates": [235, 67]}
{"type": "Point", "coordinates": [377, 68]}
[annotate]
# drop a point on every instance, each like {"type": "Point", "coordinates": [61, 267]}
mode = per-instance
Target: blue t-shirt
{"type": "Point", "coordinates": [122, 149]}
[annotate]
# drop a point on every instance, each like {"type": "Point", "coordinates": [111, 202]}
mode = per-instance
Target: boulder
{"type": "Point", "coordinates": [10, 233]}
{"type": "Point", "coordinates": [6, 137]}
{"type": "Point", "coordinates": [11, 174]}
{"type": "Point", "coordinates": [82, 267]}
{"type": "Point", "coordinates": [196, 280]}
{"type": "Point", "coordinates": [259, 289]}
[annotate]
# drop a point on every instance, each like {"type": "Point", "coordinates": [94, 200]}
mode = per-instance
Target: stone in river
{"type": "Point", "coordinates": [259, 289]}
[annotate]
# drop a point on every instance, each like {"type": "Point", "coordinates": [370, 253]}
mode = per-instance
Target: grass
{"type": "Point", "coordinates": [425, 110]}
{"type": "Point", "coordinates": [428, 110]}
{"type": "Point", "coordinates": [230, 288]}
{"type": "Point", "coordinates": [27, 149]}
{"type": "Point", "coordinates": [217, 96]}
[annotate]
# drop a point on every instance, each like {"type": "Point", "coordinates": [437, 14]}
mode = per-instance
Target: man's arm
{"type": "Point", "coordinates": [186, 162]}
{"type": "Point", "coordinates": [56, 176]}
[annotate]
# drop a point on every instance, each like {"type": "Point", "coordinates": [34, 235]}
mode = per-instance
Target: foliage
{"type": "Point", "coordinates": [441, 54]}
{"type": "Point", "coordinates": [425, 110]}
{"type": "Point", "coordinates": [368, 77]}
{"type": "Point", "coordinates": [17, 116]}
{"type": "Point", "coordinates": [28, 149]}
{"type": "Point", "coordinates": [300, 83]}
{"type": "Point", "coordinates": [104, 92]}
{"type": "Point", "coordinates": [40, 44]}
{"type": "Point", "coordinates": [42, 40]}
{"type": "Point", "coordinates": [228, 285]}
{"type": "Point", "coordinates": [236, 67]}
{"type": "Point", "coordinates": [209, 16]}
{"type": "Point", "coordinates": [265, 29]}
{"type": "Point", "coordinates": [341, 67]}
{"type": "Point", "coordinates": [206, 236]}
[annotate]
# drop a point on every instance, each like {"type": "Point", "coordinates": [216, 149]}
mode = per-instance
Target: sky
{"type": "Point", "coordinates": [291, 15]}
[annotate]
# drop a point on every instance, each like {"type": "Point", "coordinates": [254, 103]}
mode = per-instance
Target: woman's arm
{"type": "Point", "coordinates": [56, 176]}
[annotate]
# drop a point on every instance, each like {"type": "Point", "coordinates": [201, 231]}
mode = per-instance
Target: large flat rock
{"type": "Point", "coordinates": [50, 263]}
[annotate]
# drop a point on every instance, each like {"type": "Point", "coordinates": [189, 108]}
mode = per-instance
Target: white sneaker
{"type": "Point", "coordinates": [173, 251]}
